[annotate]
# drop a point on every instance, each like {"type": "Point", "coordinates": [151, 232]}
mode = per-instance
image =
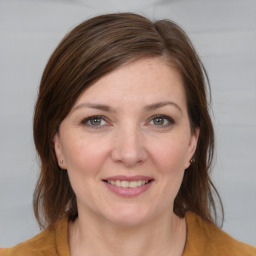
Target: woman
{"type": "Point", "coordinates": [126, 142]}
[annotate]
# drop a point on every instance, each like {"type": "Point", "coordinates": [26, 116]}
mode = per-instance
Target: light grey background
{"type": "Point", "coordinates": [224, 33]}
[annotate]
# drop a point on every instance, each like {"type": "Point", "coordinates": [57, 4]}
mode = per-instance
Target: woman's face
{"type": "Point", "coordinates": [127, 142]}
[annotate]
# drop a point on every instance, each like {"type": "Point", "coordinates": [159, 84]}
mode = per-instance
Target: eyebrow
{"type": "Point", "coordinates": [102, 107]}
{"type": "Point", "coordinates": [162, 104]}
{"type": "Point", "coordinates": [147, 108]}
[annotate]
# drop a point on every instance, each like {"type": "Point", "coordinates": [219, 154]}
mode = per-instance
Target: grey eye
{"type": "Point", "coordinates": [95, 121]}
{"type": "Point", "coordinates": [159, 121]}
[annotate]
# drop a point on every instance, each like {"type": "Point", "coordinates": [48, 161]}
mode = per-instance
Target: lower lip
{"type": "Point", "coordinates": [128, 192]}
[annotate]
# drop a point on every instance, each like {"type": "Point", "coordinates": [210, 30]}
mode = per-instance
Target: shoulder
{"type": "Point", "coordinates": [44, 241]}
{"type": "Point", "coordinates": [48, 242]}
{"type": "Point", "coordinates": [205, 238]}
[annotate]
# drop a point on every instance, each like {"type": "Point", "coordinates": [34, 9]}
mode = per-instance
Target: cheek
{"type": "Point", "coordinates": [84, 160]}
{"type": "Point", "coordinates": [83, 155]}
{"type": "Point", "coordinates": [170, 155]}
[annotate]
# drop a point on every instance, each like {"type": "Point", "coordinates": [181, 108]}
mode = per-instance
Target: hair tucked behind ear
{"type": "Point", "coordinates": [197, 192]}
{"type": "Point", "coordinates": [91, 50]}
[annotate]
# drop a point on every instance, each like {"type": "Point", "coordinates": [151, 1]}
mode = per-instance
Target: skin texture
{"type": "Point", "coordinates": [127, 138]}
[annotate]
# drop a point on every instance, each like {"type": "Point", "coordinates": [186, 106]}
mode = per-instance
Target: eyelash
{"type": "Point", "coordinates": [91, 118]}
{"type": "Point", "coordinates": [102, 118]}
{"type": "Point", "coordinates": [162, 117]}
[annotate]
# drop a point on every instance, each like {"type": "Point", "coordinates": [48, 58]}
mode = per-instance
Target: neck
{"type": "Point", "coordinates": [165, 235]}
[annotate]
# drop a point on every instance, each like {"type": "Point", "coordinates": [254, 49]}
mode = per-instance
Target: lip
{"type": "Point", "coordinates": [128, 178]}
{"type": "Point", "coordinates": [128, 192]}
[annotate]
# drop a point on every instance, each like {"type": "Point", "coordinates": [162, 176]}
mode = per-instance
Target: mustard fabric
{"type": "Point", "coordinates": [203, 239]}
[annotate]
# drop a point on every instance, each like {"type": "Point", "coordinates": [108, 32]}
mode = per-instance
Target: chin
{"type": "Point", "coordinates": [128, 217]}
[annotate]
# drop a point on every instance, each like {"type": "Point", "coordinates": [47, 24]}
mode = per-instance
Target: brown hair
{"type": "Point", "coordinates": [91, 50]}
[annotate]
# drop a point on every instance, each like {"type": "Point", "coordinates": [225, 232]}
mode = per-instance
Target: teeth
{"type": "Point", "coordinates": [128, 184]}
{"type": "Point", "coordinates": [124, 184]}
{"type": "Point", "coordinates": [133, 184]}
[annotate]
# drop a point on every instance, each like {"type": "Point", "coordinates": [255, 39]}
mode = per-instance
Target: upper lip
{"type": "Point", "coordinates": [128, 178]}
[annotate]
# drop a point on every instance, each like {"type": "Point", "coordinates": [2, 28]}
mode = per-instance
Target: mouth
{"type": "Point", "coordinates": [128, 184]}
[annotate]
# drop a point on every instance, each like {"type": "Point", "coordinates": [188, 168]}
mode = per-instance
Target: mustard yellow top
{"type": "Point", "coordinates": [203, 239]}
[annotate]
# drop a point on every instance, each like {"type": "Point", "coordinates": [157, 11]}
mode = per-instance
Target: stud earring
{"type": "Point", "coordinates": [61, 161]}
{"type": "Point", "coordinates": [192, 160]}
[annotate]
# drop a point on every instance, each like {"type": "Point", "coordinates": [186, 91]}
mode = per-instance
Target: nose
{"type": "Point", "coordinates": [128, 147]}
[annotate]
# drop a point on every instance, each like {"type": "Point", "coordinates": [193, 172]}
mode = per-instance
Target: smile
{"type": "Point", "coordinates": [127, 184]}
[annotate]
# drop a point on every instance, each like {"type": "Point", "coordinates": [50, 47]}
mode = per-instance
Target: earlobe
{"type": "Point", "coordinates": [58, 151]}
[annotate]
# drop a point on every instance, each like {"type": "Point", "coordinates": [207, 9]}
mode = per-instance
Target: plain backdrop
{"type": "Point", "coordinates": [224, 33]}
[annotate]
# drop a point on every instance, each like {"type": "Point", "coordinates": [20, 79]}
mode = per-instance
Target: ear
{"type": "Point", "coordinates": [192, 146]}
{"type": "Point", "coordinates": [58, 151]}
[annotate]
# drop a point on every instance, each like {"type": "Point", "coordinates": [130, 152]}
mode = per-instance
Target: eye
{"type": "Point", "coordinates": [94, 121]}
{"type": "Point", "coordinates": [161, 120]}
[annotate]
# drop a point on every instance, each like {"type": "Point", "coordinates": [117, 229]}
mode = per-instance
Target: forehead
{"type": "Point", "coordinates": [143, 81]}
